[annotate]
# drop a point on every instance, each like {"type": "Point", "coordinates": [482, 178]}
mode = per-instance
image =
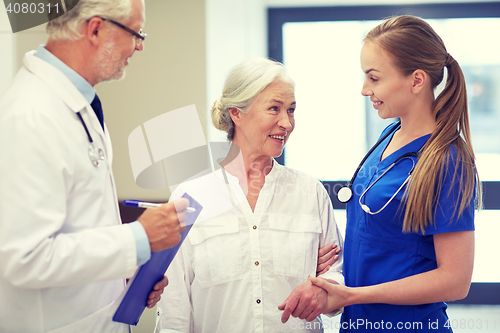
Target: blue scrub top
{"type": "Point", "coordinates": [377, 251]}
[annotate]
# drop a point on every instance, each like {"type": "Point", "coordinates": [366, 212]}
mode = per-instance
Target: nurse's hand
{"type": "Point", "coordinates": [337, 295]}
{"type": "Point", "coordinates": [163, 224]}
{"type": "Point", "coordinates": [307, 301]}
{"type": "Point", "coordinates": [327, 256]}
{"type": "Point", "coordinates": [155, 295]}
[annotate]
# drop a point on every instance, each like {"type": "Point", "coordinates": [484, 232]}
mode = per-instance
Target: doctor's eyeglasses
{"type": "Point", "coordinates": [139, 37]}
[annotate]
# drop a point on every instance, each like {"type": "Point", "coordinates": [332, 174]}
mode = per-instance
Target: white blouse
{"type": "Point", "coordinates": [236, 266]}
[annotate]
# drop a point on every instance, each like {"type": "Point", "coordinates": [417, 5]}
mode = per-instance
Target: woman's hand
{"type": "Point", "coordinates": [327, 256]}
{"type": "Point", "coordinates": [307, 301]}
{"type": "Point", "coordinates": [337, 294]}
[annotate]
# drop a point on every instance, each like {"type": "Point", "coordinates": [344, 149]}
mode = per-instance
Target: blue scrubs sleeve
{"type": "Point", "coordinates": [446, 214]}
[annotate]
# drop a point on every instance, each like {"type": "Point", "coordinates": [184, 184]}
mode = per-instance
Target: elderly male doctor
{"type": "Point", "coordinates": [64, 253]}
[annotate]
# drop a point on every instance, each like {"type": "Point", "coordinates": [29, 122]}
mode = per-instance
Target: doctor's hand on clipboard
{"type": "Point", "coordinates": [163, 224]}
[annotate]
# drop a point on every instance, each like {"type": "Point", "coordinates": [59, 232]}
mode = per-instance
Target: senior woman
{"type": "Point", "coordinates": [256, 241]}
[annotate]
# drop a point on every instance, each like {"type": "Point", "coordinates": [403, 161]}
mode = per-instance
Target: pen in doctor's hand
{"type": "Point", "coordinates": [143, 204]}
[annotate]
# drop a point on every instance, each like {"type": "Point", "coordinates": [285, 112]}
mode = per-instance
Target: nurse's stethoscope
{"type": "Point", "coordinates": [345, 193]}
{"type": "Point", "coordinates": [95, 155]}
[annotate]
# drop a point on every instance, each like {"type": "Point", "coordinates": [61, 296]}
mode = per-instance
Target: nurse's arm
{"type": "Point", "coordinates": [449, 281]}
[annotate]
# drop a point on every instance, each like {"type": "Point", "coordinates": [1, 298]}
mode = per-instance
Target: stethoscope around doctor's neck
{"type": "Point", "coordinates": [95, 155]}
{"type": "Point", "coordinates": [345, 193]}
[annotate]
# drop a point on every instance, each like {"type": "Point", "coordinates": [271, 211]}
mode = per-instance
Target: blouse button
{"type": "Point", "coordinates": [254, 227]}
{"type": "Point", "coordinates": [258, 301]}
{"type": "Point", "coordinates": [256, 263]}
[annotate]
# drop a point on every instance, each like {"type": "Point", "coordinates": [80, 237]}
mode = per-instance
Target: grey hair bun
{"type": "Point", "coordinates": [222, 119]}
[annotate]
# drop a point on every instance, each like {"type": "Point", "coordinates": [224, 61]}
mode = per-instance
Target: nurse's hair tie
{"type": "Point", "coordinates": [449, 61]}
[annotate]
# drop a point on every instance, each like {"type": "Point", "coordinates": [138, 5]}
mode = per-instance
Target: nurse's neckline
{"type": "Point", "coordinates": [384, 156]}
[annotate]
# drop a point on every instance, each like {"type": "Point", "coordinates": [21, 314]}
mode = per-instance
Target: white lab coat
{"type": "Point", "coordinates": [63, 250]}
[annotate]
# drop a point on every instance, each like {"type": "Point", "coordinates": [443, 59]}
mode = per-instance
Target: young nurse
{"type": "Point", "coordinates": [410, 246]}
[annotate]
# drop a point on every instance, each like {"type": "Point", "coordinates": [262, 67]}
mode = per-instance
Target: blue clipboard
{"type": "Point", "coordinates": [135, 296]}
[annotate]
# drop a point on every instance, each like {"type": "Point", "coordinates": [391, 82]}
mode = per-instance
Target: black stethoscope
{"type": "Point", "coordinates": [95, 155]}
{"type": "Point", "coordinates": [345, 193]}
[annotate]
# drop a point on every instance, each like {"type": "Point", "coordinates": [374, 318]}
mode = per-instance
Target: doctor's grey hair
{"type": "Point", "coordinates": [243, 83]}
{"type": "Point", "coordinates": [68, 26]}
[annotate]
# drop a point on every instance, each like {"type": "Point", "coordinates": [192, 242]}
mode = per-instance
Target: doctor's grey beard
{"type": "Point", "coordinates": [109, 65]}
